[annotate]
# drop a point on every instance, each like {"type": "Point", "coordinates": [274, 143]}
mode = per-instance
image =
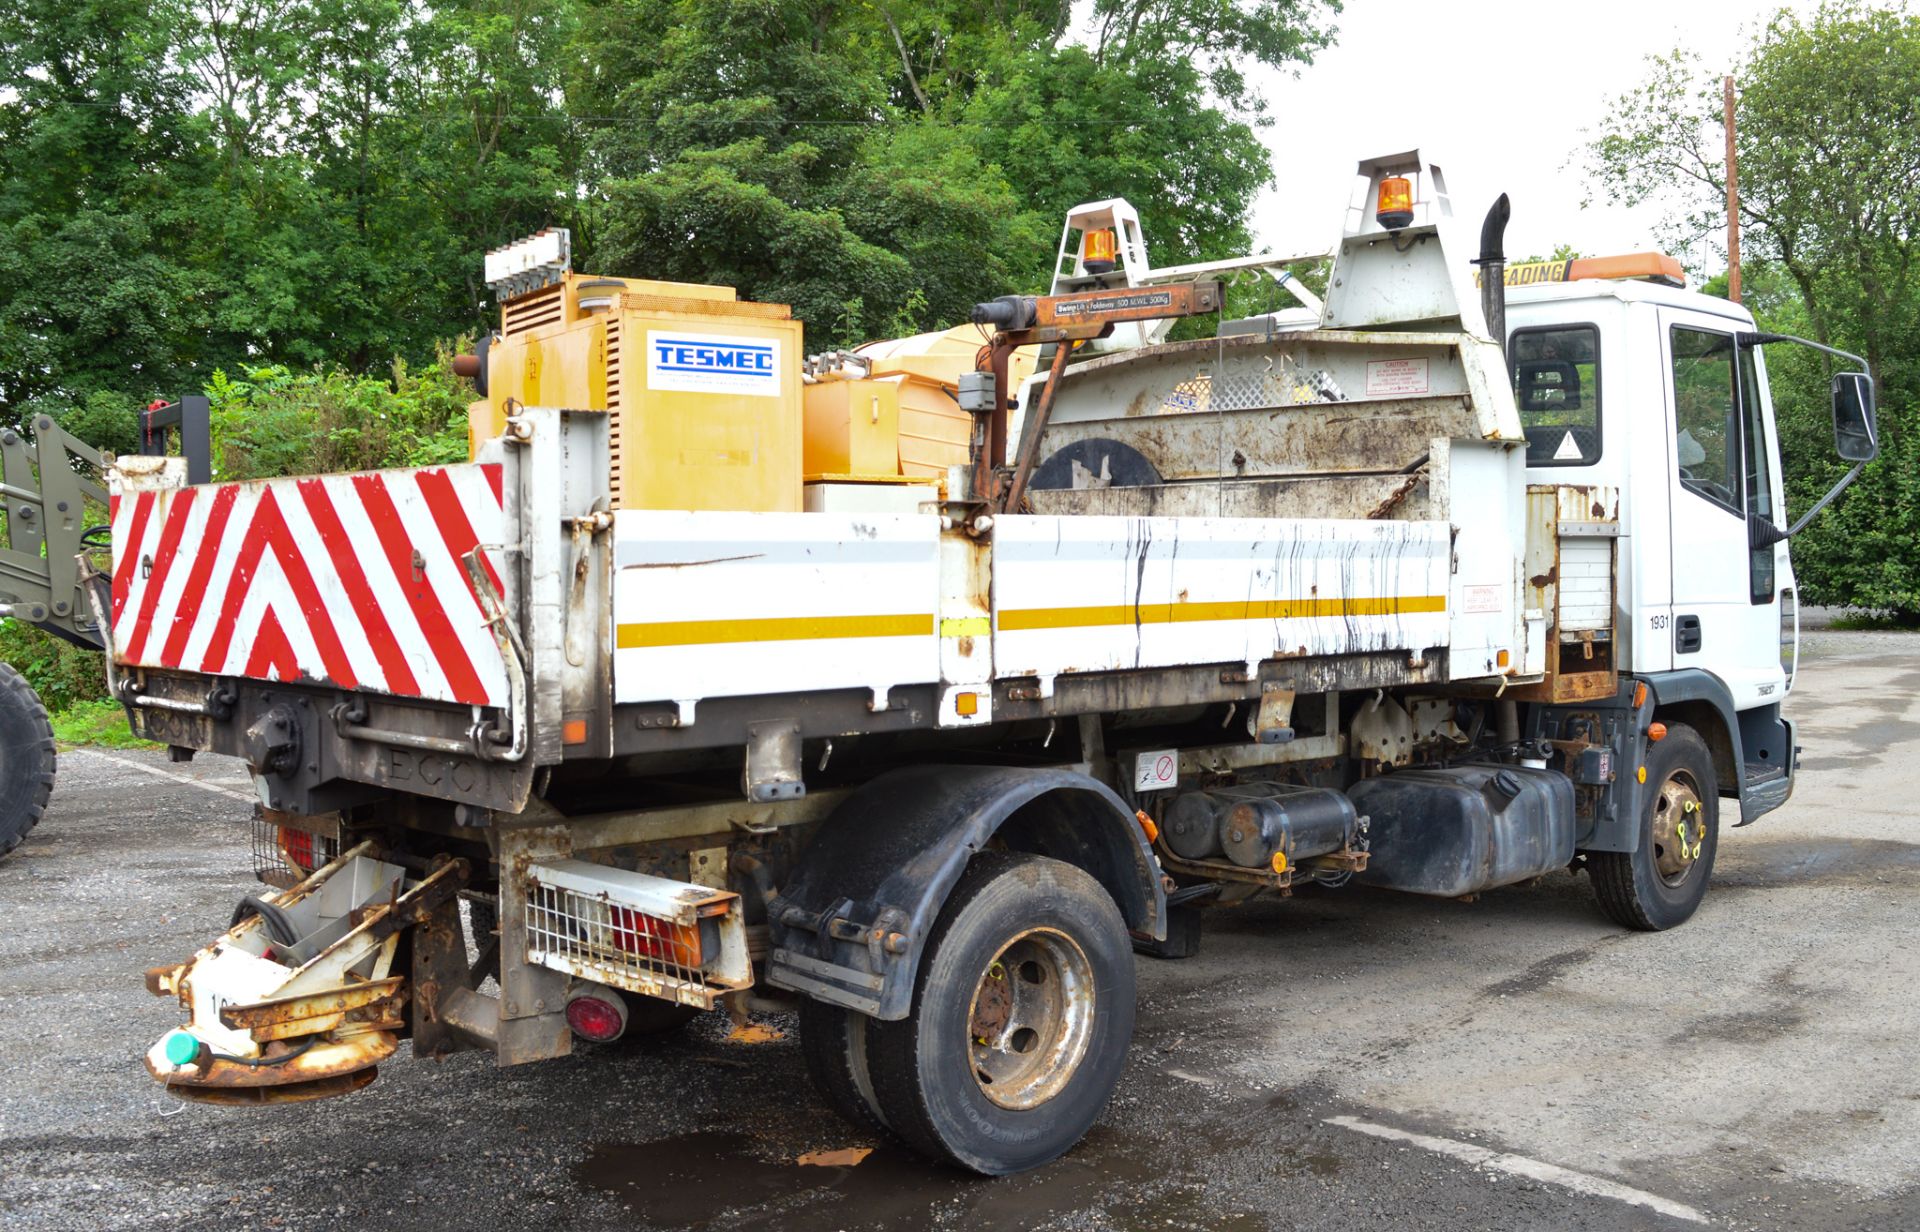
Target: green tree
{"type": "Point", "coordinates": [99, 150]}
{"type": "Point", "coordinates": [882, 167]}
{"type": "Point", "coordinates": [1828, 125]}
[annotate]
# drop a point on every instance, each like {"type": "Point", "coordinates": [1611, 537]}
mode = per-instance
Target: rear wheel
{"type": "Point", "coordinates": [26, 758]}
{"type": "Point", "coordinates": [1661, 884]}
{"type": "Point", "coordinates": [1021, 1017]}
{"type": "Point", "coordinates": [834, 1041]}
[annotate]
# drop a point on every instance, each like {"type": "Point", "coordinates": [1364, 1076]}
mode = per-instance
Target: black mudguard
{"type": "Point", "coordinates": [852, 921]}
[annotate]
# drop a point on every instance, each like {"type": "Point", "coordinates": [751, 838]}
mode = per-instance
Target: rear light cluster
{"type": "Point", "coordinates": [597, 1014]}
{"type": "Point", "coordinates": [649, 936]}
{"type": "Point", "coordinates": [296, 848]}
{"type": "Point", "coordinates": [284, 856]}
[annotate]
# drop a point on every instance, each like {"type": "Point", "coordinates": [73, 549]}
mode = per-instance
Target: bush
{"type": "Point", "coordinates": [275, 421]}
{"type": "Point", "coordinates": [97, 722]}
{"type": "Point", "coordinates": [60, 672]}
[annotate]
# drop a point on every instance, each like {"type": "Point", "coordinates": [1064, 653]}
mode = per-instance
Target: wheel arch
{"type": "Point", "coordinates": [1703, 703]}
{"type": "Point", "coordinates": [851, 925]}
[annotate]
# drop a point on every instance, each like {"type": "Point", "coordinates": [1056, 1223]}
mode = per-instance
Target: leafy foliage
{"type": "Point", "coordinates": [1828, 125]}
{"type": "Point", "coordinates": [98, 722]}
{"type": "Point", "coordinates": [236, 184]}
{"type": "Point", "coordinates": [60, 672]}
{"type": "Point", "coordinates": [278, 422]}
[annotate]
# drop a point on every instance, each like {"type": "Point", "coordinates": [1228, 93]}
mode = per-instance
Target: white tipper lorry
{"type": "Point", "coordinates": [856, 685]}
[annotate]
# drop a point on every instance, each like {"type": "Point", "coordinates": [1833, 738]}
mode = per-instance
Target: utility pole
{"type": "Point", "coordinates": [1733, 202]}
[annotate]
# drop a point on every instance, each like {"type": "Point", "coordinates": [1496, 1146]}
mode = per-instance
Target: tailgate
{"type": "Point", "coordinates": [356, 580]}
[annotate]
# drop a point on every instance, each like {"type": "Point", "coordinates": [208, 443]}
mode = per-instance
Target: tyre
{"type": "Point", "coordinates": [650, 1018]}
{"type": "Point", "coordinates": [1022, 1013]}
{"type": "Point", "coordinates": [834, 1041]}
{"type": "Point", "coordinates": [26, 758]}
{"type": "Point", "coordinates": [1661, 884]}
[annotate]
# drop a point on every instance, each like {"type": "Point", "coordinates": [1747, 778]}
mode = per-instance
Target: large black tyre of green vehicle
{"type": "Point", "coordinates": [1022, 1012]}
{"type": "Point", "coordinates": [26, 758]}
{"type": "Point", "coordinates": [1660, 884]}
{"type": "Point", "coordinates": [833, 1040]}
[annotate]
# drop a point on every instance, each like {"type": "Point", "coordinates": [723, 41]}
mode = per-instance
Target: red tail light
{"type": "Point", "coordinates": [296, 847]}
{"type": "Point", "coordinates": [598, 1016]}
{"type": "Point", "coordinates": [649, 936]}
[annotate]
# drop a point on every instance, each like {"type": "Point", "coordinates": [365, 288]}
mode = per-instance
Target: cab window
{"type": "Point", "coordinates": [1706, 411]}
{"type": "Point", "coordinates": [1759, 476]}
{"type": "Point", "coordinates": [1556, 381]}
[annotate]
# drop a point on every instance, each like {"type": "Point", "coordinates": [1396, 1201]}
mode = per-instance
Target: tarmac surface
{"type": "Point", "coordinates": [1350, 1059]}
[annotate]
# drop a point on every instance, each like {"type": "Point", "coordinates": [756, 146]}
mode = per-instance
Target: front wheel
{"type": "Point", "coordinates": [1660, 884]}
{"type": "Point", "coordinates": [26, 758]}
{"type": "Point", "coordinates": [1022, 1013]}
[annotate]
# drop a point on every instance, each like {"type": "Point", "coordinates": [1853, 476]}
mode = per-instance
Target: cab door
{"type": "Point", "coordinates": [1723, 469]}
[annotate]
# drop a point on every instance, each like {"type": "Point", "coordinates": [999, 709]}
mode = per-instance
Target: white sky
{"type": "Point", "coordinates": [1497, 92]}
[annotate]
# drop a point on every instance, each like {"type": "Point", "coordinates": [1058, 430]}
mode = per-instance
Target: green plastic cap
{"type": "Point", "coordinates": [182, 1049]}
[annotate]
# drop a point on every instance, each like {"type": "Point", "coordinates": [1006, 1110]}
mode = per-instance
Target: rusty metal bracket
{"type": "Point", "coordinates": [487, 739]}
{"type": "Point", "coordinates": [1061, 320]}
{"type": "Point", "coordinates": [772, 770]}
{"type": "Point", "coordinates": [1031, 430]}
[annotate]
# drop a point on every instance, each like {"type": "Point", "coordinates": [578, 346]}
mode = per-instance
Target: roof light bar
{"type": "Point", "coordinates": [1655, 267]}
{"type": "Point", "coordinates": [527, 265]}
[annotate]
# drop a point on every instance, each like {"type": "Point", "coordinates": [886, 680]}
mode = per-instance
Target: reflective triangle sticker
{"type": "Point", "coordinates": [1569, 450]}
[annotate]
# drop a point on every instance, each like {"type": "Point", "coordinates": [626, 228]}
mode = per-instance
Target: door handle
{"type": "Point", "coordinates": [1686, 635]}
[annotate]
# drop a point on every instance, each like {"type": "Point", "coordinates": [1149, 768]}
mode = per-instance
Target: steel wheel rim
{"type": "Point", "coordinates": [1031, 1019]}
{"type": "Point", "coordinates": [1679, 827]}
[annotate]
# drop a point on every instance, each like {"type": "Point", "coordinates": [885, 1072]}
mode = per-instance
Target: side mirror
{"type": "Point", "coordinates": [1854, 436]}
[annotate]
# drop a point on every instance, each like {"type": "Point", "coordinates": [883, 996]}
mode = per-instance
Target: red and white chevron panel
{"type": "Point", "coordinates": [350, 580]}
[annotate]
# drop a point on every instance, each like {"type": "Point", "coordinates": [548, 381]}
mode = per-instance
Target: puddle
{"type": "Point", "coordinates": [1540, 974]}
{"type": "Point", "coordinates": [1744, 864]}
{"type": "Point", "coordinates": [714, 1179]}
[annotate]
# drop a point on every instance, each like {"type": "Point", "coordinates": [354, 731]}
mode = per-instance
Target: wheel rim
{"type": "Point", "coordinates": [1030, 1020]}
{"type": "Point", "coordinates": [1679, 827]}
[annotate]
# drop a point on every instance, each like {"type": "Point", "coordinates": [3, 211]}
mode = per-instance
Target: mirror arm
{"type": "Point", "coordinates": [1845, 481]}
{"type": "Point", "coordinates": [1751, 338]}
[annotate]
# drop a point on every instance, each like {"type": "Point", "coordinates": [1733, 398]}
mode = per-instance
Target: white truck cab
{"type": "Point", "coordinates": [1634, 383]}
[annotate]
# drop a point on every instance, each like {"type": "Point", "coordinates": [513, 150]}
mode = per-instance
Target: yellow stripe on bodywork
{"type": "Point", "coordinates": [770, 629]}
{"type": "Point", "coordinates": [915, 624]}
{"type": "Point", "coordinates": [1023, 619]}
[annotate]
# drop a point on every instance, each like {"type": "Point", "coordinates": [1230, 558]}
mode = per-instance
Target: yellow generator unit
{"type": "Point", "coordinates": [703, 388]}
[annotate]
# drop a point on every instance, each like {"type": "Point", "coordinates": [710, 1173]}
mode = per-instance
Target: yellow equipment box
{"type": "Point", "coordinates": [703, 388]}
{"type": "Point", "coordinates": [853, 428]}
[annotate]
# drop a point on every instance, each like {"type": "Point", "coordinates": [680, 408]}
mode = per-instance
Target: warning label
{"type": "Point", "coordinates": [1479, 599]}
{"type": "Point", "coordinates": [1156, 771]}
{"type": "Point", "coordinates": [1388, 378]}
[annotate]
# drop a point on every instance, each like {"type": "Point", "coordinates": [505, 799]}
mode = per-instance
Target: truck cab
{"type": "Point", "coordinates": [1625, 379]}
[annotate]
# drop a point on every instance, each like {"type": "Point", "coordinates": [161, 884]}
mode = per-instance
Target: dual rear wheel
{"type": "Point", "coordinates": [1022, 1013]}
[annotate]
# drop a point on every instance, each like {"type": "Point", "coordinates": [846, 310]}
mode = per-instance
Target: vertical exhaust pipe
{"type": "Point", "coordinates": [1493, 271]}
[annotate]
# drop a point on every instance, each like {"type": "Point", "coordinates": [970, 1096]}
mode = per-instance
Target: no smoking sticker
{"type": "Point", "coordinates": [1156, 771]}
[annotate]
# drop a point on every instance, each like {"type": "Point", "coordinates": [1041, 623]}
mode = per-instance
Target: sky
{"type": "Point", "coordinates": [1497, 92]}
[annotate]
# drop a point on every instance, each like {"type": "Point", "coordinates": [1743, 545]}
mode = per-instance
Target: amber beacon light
{"type": "Point", "coordinates": [1096, 251]}
{"type": "Point", "coordinates": [1395, 207]}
